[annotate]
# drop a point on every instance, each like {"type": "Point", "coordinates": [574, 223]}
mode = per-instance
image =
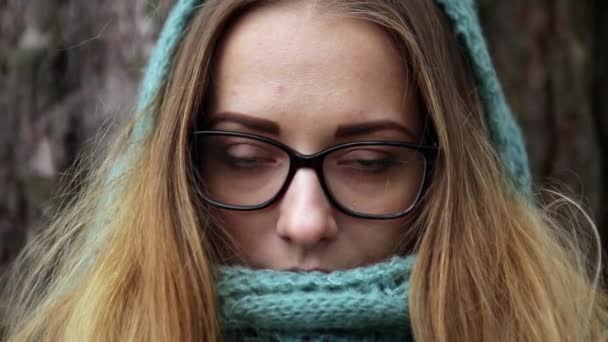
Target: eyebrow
{"type": "Point", "coordinates": [364, 128]}
{"type": "Point", "coordinates": [343, 131]}
{"type": "Point", "coordinates": [257, 124]}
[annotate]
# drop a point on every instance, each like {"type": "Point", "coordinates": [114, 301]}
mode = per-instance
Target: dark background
{"type": "Point", "coordinates": [69, 71]}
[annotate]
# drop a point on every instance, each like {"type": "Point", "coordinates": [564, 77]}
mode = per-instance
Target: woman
{"type": "Point", "coordinates": [313, 170]}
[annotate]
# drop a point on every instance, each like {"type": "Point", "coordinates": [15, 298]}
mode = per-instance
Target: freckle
{"type": "Point", "coordinates": [233, 93]}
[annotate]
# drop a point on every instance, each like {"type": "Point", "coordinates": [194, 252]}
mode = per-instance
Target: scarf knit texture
{"type": "Point", "coordinates": [368, 303]}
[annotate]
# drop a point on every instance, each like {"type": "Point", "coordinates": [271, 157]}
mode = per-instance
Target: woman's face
{"type": "Point", "coordinates": [311, 81]}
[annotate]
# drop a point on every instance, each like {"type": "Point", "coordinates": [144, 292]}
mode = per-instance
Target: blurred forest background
{"type": "Point", "coordinates": [69, 72]}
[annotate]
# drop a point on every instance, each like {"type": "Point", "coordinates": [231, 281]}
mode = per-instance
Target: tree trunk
{"type": "Point", "coordinates": [67, 68]}
{"type": "Point", "coordinates": [551, 59]}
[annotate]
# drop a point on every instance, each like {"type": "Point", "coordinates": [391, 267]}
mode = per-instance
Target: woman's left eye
{"type": "Point", "coordinates": [372, 165]}
{"type": "Point", "coordinates": [368, 160]}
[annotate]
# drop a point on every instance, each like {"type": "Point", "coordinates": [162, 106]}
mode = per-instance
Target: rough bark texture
{"type": "Point", "coordinates": [68, 68]}
{"type": "Point", "coordinates": [68, 72]}
{"type": "Point", "coordinates": [551, 58]}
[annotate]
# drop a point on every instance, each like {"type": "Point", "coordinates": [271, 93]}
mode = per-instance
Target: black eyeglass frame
{"type": "Point", "coordinates": [314, 161]}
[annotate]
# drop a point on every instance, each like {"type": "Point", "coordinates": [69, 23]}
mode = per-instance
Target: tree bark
{"type": "Point", "coordinates": [549, 57]}
{"type": "Point", "coordinates": [67, 68]}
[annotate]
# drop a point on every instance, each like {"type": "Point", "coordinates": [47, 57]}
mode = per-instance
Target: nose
{"type": "Point", "coordinates": [306, 216]}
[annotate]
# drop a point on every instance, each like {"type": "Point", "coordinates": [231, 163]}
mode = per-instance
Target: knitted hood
{"type": "Point", "coordinates": [506, 136]}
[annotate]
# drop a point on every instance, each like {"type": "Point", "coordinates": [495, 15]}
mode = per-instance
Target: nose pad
{"type": "Point", "coordinates": [306, 215]}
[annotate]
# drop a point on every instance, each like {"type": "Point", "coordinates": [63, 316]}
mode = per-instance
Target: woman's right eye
{"type": "Point", "coordinates": [246, 163]}
{"type": "Point", "coordinates": [246, 156]}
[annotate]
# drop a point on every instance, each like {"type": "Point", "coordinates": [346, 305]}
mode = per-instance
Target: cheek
{"type": "Point", "coordinates": [374, 240]}
{"type": "Point", "coordinates": [244, 224]}
{"type": "Point", "coordinates": [249, 231]}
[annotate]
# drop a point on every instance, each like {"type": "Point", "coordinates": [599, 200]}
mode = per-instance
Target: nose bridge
{"type": "Point", "coordinates": [306, 185]}
{"type": "Point", "coordinates": [312, 161]}
{"type": "Point", "coordinates": [309, 164]}
{"type": "Point", "coordinates": [306, 215]}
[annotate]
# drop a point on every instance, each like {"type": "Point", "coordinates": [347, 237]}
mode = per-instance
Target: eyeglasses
{"type": "Point", "coordinates": [366, 179]}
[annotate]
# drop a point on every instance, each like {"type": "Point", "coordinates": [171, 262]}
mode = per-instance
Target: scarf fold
{"type": "Point", "coordinates": [365, 303]}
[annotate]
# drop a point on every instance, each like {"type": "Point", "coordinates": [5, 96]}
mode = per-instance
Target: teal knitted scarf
{"type": "Point", "coordinates": [367, 303]}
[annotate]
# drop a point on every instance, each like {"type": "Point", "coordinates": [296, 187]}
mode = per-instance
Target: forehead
{"type": "Point", "coordinates": [310, 70]}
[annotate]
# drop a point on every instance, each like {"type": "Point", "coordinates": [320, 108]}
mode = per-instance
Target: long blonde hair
{"type": "Point", "coordinates": [137, 264]}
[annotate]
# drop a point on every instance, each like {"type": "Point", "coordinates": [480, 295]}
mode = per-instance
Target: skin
{"type": "Point", "coordinates": [311, 73]}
